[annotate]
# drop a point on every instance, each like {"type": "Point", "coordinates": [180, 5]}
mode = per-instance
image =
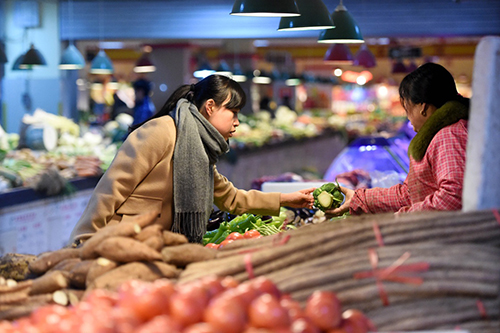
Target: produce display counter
{"type": "Point", "coordinates": [243, 165]}
{"type": "Point", "coordinates": [33, 223]}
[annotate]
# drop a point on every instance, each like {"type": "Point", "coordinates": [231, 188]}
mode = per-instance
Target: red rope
{"type": "Point", "coordinates": [496, 214]}
{"type": "Point", "coordinates": [378, 234]}
{"type": "Point", "coordinates": [248, 265]}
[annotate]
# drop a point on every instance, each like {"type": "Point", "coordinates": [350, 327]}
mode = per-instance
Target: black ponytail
{"type": "Point", "coordinates": [217, 87]}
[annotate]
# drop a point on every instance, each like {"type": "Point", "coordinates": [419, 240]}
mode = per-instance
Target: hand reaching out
{"type": "Point", "coordinates": [298, 199]}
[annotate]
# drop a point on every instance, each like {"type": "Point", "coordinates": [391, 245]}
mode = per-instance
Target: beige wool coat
{"type": "Point", "coordinates": [139, 180]}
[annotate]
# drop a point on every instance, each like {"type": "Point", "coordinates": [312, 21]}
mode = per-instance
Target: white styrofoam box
{"type": "Point", "coordinates": [289, 187]}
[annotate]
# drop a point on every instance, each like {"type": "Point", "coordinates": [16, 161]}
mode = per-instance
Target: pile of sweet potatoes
{"type": "Point", "coordinates": [136, 249]}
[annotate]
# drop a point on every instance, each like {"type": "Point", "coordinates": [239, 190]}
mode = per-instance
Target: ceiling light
{"type": "Point", "coordinates": [223, 69]}
{"type": "Point", "coordinates": [71, 58]}
{"type": "Point", "coordinates": [101, 64]}
{"type": "Point", "coordinates": [314, 15]}
{"type": "Point", "coordinates": [238, 74]}
{"type": "Point", "coordinates": [364, 57]}
{"type": "Point", "coordinates": [265, 8]}
{"type": "Point", "coordinates": [17, 64]}
{"type": "Point", "coordinates": [346, 29]}
{"type": "Point", "coordinates": [203, 70]}
{"type": "Point", "coordinates": [260, 77]}
{"type": "Point", "coordinates": [32, 58]}
{"type": "Point", "coordinates": [144, 63]}
{"type": "Point", "coordinates": [339, 54]}
{"type": "Point", "coordinates": [398, 67]}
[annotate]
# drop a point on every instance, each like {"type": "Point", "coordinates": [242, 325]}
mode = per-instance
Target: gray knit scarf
{"type": "Point", "coordinates": [197, 148]}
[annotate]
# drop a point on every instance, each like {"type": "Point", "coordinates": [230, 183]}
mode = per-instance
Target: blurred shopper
{"type": "Point", "coordinates": [144, 107]}
{"type": "Point", "coordinates": [167, 165]}
{"type": "Point", "coordinates": [438, 113]}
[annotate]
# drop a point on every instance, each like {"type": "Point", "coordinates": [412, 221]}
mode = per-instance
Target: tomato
{"type": "Point", "coordinates": [186, 309]}
{"type": "Point", "coordinates": [324, 309]}
{"type": "Point", "coordinates": [225, 242]}
{"type": "Point", "coordinates": [229, 282]}
{"type": "Point", "coordinates": [198, 328]}
{"type": "Point", "coordinates": [355, 321]}
{"type": "Point", "coordinates": [265, 285]}
{"type": "Point", "coordinates": [295, 311]}
{"type": "Point", "coordinates": [266, 312]}
{"type": "Point", "coordinates": [304, 325]}
{"type": "Point", "coordinates": [246, 293]}
{"type": "Point", "coordinates": [213, 285]}
{"type": "Point", "coordinates": [234, 235]}
{"type": "Point", "coordinates": [226, 314]}
{"type": "Point", "coordinates": [160, 324]}
{"type": "Point", "coordinates": [251, 234]}
{"type": "Point", "coordinates": [212, 246]}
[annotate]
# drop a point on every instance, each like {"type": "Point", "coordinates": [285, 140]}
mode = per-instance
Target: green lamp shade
{"type": "Point", "coordinates": [314, 15]}
{"type": "Point", "coordinates": [265, 8]}
{"type": "Point", "coordinates": [3, 57]}
{"type": "Point", "coordinates": [101, 64]}
{"type": "Point", "coordinates": [32, 58]}
{"type": "Point", "coordinates": [346, 29]}
{"type": "Point", "coordinates": [71, 59]}
{"type": "Point", "coordinates": [144, 64]}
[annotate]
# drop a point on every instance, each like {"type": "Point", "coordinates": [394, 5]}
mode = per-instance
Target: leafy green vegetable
{"type": "Point", "coordinates": [328, 196]}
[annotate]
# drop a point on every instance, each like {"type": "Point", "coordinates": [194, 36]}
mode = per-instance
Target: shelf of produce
{"type": "Point", "coordinates": [32, 223]}
{"type": "Point", "coordinates": [242, 165]}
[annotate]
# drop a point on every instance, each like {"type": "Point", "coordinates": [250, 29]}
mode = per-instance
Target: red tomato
{"type": "Point", "coordinates": [295, 311]}
{"type": "Point", "coordinates": [212, 246]}
{"type": "Point", "coordinates": [186, 309]}
{"type": "Point", "coordinates": [160, 324]}
{"type": "Point", "coordinates": [226, 314]}
{"type": "Point", "coordinates": [265, 285]}
{"type": "Point", "coordinates": [198, 328]}
{"type": "Point", "coordinates": [266, 312]}
{"type": "Point", "coordinates": [355, 321]}
{"type": "Point", "coordinates": [304, 325]}
{"type": "Point", "coordinates": [213, 285]}
{"type": "Point", "coordinates": [324, 309]}
{"type": "Point", "coordinates": [251, 234]}
{"type": "Point", "coordinates": [229, 282]}
{"type": "Point", "coordinates": [225, 242]}
{"type": "Point", "coordinates": [234, 235]}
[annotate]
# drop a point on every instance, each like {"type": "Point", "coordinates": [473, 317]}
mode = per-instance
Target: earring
{"type": "Point", "coordinates": [424, 113]}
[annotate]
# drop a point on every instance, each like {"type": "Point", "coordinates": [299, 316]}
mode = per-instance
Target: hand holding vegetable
{"type": "Point", "coordinates": [348, 193]}
{"type": "Point", "coordinates": [299, 199]}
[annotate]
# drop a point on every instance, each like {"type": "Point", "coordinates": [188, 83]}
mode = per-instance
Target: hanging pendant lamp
{"type": "Point", "coordinates": [364, 57]}
{"type": "Point", "coordinates": [238, 74]}
{"type": "Point", "coordinates": [398, 67]}
{"type": "Point", "coordinates": [3, 56]}
{"type": "Point", "coordinates": [17, 65]}
{"type": "Point", "coordinates": [339, 54]}
{"type": "Point", "coordinates": [144, 63]}
{"type": "Point", "coordinates": [223, 69]}
{"type": "Point", "coordinates": [203, 70]}
{"type": "Point", "coordinates": [346, 29]}
{"type": "Point", "coordinates": [71, 59]}
{"type": "Point", "coordinates": [32, 58]}
{"type": "Point", "coordinates": [314, 15]}
{"type": "Point", "coordinates": [101, 64]}
{"type": "Point", "coordinates": [265, 8]}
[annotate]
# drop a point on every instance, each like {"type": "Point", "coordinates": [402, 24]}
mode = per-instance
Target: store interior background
{"type": "Point", "coordinates": [183, 33]}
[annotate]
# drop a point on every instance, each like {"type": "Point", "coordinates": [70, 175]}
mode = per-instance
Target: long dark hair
{"type": "Point", "coordinates": [430, 83]}
{"type": "Point", "coordinates": [216, 87]}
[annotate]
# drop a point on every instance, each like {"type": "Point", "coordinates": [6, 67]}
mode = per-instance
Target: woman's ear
{"type": "Point", "coordinates": [209, 106]}
{"type": "Point", "coordinates": [423, 109]}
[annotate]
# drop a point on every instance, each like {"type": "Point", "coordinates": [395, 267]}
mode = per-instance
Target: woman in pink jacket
{"type": "Point", "coordinates": [439, 115]}
{"type": "Point", "coordinates": [166, 166]}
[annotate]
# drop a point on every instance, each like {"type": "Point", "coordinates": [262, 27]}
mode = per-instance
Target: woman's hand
{"type": "Point", "coordinates": [299, 199]}
{"type": "Point", "coordinates": [344, 207]}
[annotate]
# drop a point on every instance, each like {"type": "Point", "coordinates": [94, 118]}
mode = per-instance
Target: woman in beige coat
{"type": "Point", "coordinates": [167, 165]}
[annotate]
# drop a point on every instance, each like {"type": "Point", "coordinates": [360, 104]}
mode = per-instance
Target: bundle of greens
{"type": "Point", "coordinates": [328, 196]}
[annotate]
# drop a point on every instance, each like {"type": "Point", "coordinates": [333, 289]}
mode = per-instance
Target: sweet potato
{"type": "Point", "coordinates": [184, 254]}
{"type": "Point", "coordinates": [149, 231]}
{"type": "Point", "coordinates": [49, 283]}
{"type": "Point", "coordinates": [125, 249]}
{"type": "Point", "coordinates": [99, 267]}
{"type": "Point", "coordinates": [173, 238]}
{"type": "Point", "coordinates": [66, 264]}
{"type": "Point", "coordinates": [88, 249]}
{"type": "Point", "coordinates": [155, 242]}
{"type": "Point", "coordinates": [78, 275]}
{"type": "Point", "coordinates": [133, 270]}
{"type": "Point", "coordinates": [47, 260]}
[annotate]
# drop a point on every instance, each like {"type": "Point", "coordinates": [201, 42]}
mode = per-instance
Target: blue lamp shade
{"type": "Point", "coordinates": [32, 58]}
{"type": "Point", "coordinates": [238, 74]}
{"type": "Point", "coordinates": [339, 54]}
{"type": "Point", "coordinates": [71, 59]}
{"type": "Point", "coordinates": [101, 64]}
{"type": "Point", "coordinates": [265, 8]}
{"type": "Point", "coordinates": [364, 57]}
{"type": "Point", "coordinates": [17, 64]}
{"type": "Point", "coordinates": [144, 64]}
{"type": "Point", "coordinates": [223, 69]}
{"type": "Point", "coordinates": [314, 15]}
{"type": "Point", "coordinates": [3, 56]}
{"type": "Point", "coordinates": [346, 29]}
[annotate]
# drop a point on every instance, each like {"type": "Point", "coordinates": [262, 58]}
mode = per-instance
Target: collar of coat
{"type": "Point", "coordinates": [448, 114]}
